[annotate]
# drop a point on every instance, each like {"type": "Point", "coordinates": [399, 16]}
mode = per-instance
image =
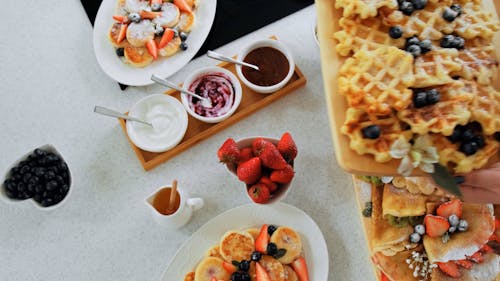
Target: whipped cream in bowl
{"type": "Point", "coordinates": [219, 85]}
{"type": "Point", "coordinates": [169, 123]}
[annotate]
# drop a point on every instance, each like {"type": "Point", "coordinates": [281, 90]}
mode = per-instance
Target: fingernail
{"type": "Point", "coordinates": [459, 179]}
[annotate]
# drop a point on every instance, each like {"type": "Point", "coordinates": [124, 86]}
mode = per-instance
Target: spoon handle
{"type": "Point", "coordinates": [169, 84]}
{"type": "Point", "coordinates": [112, 113]}
{"type": "Point", "coordinates": [217, 56]}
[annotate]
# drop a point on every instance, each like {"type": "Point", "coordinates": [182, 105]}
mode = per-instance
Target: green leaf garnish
{"type": "Point", "coordinates": [279, 253]}
{"type": "Point", "coordinates": [444, 179]}
{"type": "Point", "coordinates": [235, 263]}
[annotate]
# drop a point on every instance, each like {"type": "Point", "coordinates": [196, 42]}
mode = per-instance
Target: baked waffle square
{"type": "Point", "coordinates": [443, 116]}
{"type": "Point", "coordinates": [478, 61]}
{"type": "Point", "coordinates": [485, 107]}
{"type": "Point", "coordinates": [377, 80]}
{"type": "Point", "coordinates": [475, 22]}
{"type": "Point", "coordinates": [363, 8]}
{"type": "Point", "coordinates": [434, 67]}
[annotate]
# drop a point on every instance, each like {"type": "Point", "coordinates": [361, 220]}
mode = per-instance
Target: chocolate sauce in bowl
{"type": "Point", "coordinates": [272, 63]}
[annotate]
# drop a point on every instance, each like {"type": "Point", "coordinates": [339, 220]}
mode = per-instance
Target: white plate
{"type": "Point", "coordinates": [246, 216]}
{"type": "Point", "coordinates": [164, 67]}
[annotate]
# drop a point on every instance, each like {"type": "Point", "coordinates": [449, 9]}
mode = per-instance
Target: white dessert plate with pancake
{"type": "Point", "coordinates": [164, 67]}
{"type": "Point", "coordinates": [248, 216]}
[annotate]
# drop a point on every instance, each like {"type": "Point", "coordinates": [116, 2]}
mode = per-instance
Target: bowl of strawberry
{"type": "Point", "coordinates": [264, 165]}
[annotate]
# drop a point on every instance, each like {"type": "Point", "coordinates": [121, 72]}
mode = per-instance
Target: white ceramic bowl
{"type": "Point", "coordinates": [208, 70]}
{"type": "Point", "coordinates": [172, 130]}
{"type": "Point", "coordinates": [3, 195]}
{"type": "Point", "coordinates": [266, 43]}
{"type": "Point", "coordinates": [283, 188]}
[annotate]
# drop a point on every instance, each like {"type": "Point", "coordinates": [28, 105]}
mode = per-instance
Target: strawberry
{"type": "Point", "coordinates": [494, 237]}
{"type": "Point", "coordinates": [464, 263]}
{"type": "Point", "coordinates": [261, 273]}
{"type": "Point", "coordinates": [213, 279]}
{"type": "Point", "coordinates": [497, 224]}
{"type": "Point", "coordinates": [435, 226]}
{"type": "Point", "coordinates": [449, 208]}
{"type": "Point", "coordinates": [485, 249]}
{"type": "Point", "coordinates": [477, 257]}
{"type": "Point", "coordinates": [120, 18]}
{"type": "Point", "coordinates": [229, 267]}
{"type": "Point", "coordinates": [283, 176]}
{"type": "Point", "coordinates": [122, 33]}
{"type": "Point", "coordinates": [258, 145]}
{"type": "Point", "coordinates": [259, 193]}
{"type": "Point", "coordinates": [152, 48]}
{"type": "Point", "coordinates": [383, 277]}
{"type": "Point", "coordinates": [300, 267]}
{"type": "Point", "coordinates": [449, 268]}
{"type": "Point", "coordinates": [167, 36]}
{"type": "Point", "coordinates": [156, 2]}
{"type": "Point", "coordinates": [183, 6]}
{"type": "Point", "coordinates": [269, 183]}
{"type": "Point", "coordinates": [245, 154]}
{"type": "Point", "coordinates": [149, 15]}
{"type": "Point", "coordinates": [250, 171]}
{"type": "Point", "coordinates": [262, 240]}
{"type": "Point", "coordinates": [271, 157]}
{"type": "Point", "coordinates": [287, 147]}
{"type": "Point", "coordinates": [228, 153]}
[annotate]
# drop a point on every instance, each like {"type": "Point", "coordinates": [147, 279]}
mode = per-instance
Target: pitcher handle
{"type": "Point", "coordinates": [195, 203]}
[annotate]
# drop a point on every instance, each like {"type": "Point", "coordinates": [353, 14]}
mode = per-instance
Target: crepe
{"type": "Point", "coordinates": [400, 202]}
{"type": "Point", "coordinates": [395, 267]}
{"type": "Point", "coordinates": [488, 270]}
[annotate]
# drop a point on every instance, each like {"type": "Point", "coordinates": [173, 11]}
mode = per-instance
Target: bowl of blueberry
{"type": "Point", "coordinates": [41, 176]}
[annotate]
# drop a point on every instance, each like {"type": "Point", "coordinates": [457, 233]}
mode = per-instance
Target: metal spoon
{"type": "Point", "coordinates": [205, 102]}
{"type": "Point", "coordinates": [112, 113]}
{"type": "Point", "coordinates": [217, 56]}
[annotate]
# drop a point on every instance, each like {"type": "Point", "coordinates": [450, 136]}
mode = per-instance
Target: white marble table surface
{"type": "Point", "coordinates": [50, 82]}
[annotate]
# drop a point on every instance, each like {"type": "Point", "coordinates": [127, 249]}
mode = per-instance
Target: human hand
{"type": "Point", "coordinates": [481, 186]}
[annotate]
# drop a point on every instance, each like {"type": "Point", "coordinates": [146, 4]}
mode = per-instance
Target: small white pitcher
{"type": "Point", "coordinates": [181, 216]}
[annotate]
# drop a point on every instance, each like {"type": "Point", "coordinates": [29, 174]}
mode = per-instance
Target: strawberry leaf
{"type": "Point", "coordinates": [235, 263]}
{"type": "Point", "coordinates": [444, 179]}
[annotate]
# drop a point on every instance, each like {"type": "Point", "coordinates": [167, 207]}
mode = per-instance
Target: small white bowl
{"type": "Point", "coordinates": [283, 188]}
{"type": "Point", "coordinates": [49, 148]}
{"type": "Point", "coordinates": [165, 108]}
{"type": "Point", "coordinates": [266, 43]}
{"type": "Point", "coordinates": [209, 70]}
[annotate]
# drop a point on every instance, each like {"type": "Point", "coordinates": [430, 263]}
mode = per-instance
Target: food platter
{"type": "Point", "coordinates": [347, 158]}
{"type": "Point", "coordinates": [128, 75]}
{"type": "Point", "coordinates": [246, 216]}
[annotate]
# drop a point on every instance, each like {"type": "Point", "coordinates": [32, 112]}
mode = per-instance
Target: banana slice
{"type": "Point", "coordinates": [214, 252]}
{"type": "Point", "coordinates": [171, 48]}
{"type": "Point", "coordinates": [290, 274]}
{"type": "Point", "coordinates": [138, 56]}
{"type": "Point", "coordinates": [236, 246]}
{"type": "Point", "coordinates": [113, 36]}
{"type": "Point", "coordinates": [254, 232]}
{"type": "Point", "coordinates": [140, 33]}
{"type": "Point", "coordinates": [286, 238]}
{"type": "Point", "coordinates": [170, 15]}
{"type": "Point", "coordinates": [186, 21]}
{"type": "Point", "coordinates": [211, 267]}
{"type": "Point", "coordinates": [274, 268]}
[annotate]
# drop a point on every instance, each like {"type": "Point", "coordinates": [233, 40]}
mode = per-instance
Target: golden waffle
{"type": "Point", "coordinates": [391, 129]}
{"type": "Point", "coordinates": [363, 34]}
{"type": "Point", "coordinates": [434, 67]}
{"type": "Point", "coordinates": [364, 8]}
{"type": "Point", "coordinates": [426, 24]}
{"type": "Point", "coordinates": [475, 22]}
{"type": "Point", "coordinates": [377, 80]}
{"type": "Point", "coordinates": [451, 157]}
{"type": "Point", "coordinates": [485, 107]}
{"type": "Point", "coordinates": [443, 116]}
{"type": "Point", "coordinates": [478, 61]}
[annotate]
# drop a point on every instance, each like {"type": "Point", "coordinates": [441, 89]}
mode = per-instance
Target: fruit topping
{"type": "Point", "coordinates": [467, 264]}
{"type": "Point", "coordinates": [283, 176]}
{"type": "Point", "coordinates": [371, 132]}
{"type": "Point", "coordinates": [453, 220]}
{"type": "Point", "coordinates": [250, 171]}
{"type": "Point", "coordinates": [244, 265]}
{"type": "Point", "coordinates": [396, 32]}
{"type": "Point", "coordinates": [420, 229]}
{"type": "Point", "coordinates": [271, 157]}
{"type": "Point", "coordinates": [415, 237]}
{"type": "Point", "coordinates": [452, 207]}
{"type": "Point", "coordinates": [261, 241]}
{"type": "Point", "coordinates": [245, 154]}
{"type": "Point", "coordinates": [167, 36]}
{"type": "Point", "coordinates": [450, 14]}
{"type": "Point", "coordinates": [229, 267]}
{"type": "Point", "coordinates": [271, 249]}
{"type": "Point", "coordinates": [120, 52]}
{"type": "Point", "coordinates": [414, 50]}
{"type": "Point", "coordinates": [269, 183]}
{"type": "Point", "coordinates": [271, 229]}
{"type": "Point", "coordinates": [256, 256]}
{"type": "Point", "coordinates": [259, 193]}
{"type": "Point", "coordinates": [463, 225]}
{"type": "Point", "coordinates": [419, 4]}
{"type": "Point", "coordinates": [425, 46]}
{"type": "Point", "coordinates": [406, 7]}
{"type": "Point", "coordinates": [436, 226]}
{"type": "Point", "coordinates": [300, 267]}
{"type": "Point", "coordinates": [433, 96]}
{"type": "Point", "coordinates": [451, 41]}
{"type": "Point", "coordinates": [183, 36]}
{"type": "Point", "coordinates": [134, 17]}
{"type": "Point", "coordinates": [450, 268]}
{"type": "Point", "coordinates": [184, 46]}
{"type": "Point", "coordinates": [228, 153]}
{"type": "Point", "coordinates": [287, 147]}
{"type": "Point", "coordinates": [152, 48]}
{"type": "Point", "coordinates": [261, 273]}
{"type": "Point", "coordinates": [367, 211]}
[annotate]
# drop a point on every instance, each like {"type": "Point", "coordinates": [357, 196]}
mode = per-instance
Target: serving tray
{"type": "Point", "coordinates": [197, 130]}
{"type": "Point", "coordinates": [347, 158]}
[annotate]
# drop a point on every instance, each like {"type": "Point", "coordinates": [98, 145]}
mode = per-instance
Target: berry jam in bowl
{"type": "Point", "coordinates": [220, 86]}
{"type": "Point", "coordinates": [40, 176]}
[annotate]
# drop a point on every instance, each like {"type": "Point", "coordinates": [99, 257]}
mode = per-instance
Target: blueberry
{"type": "Point", "coordinates": [447, 41]}
{"type": "Point", "coordinates": [453, 220]}
{"type": "Point", "coordinates": [412, 41]}
{"type": "Point", "coordinates": [183, 36]}
{"type": "Point", "coordinates": [37, 198]}
{"type": "Point", "coordinates": [244, 265]}
{"type": "Point", "coordinates": [49, 175]}
{"type": "Point", "coordinates": [458, 42]}
{"type": "Point", "coordinates": [467, 135]}
{"type": "Point", "coordinates": [463, 225]}
{"type": "Point", "coordinates": [420, 229]}
{"type": "Point", "coordinates": [24, 169]}
{"type": "Point", "coordinates": [457, 8]}
{"type": "Point", "coordinates": [419, 4]}
{"type": "Point", "coordinates": [425, 45]}
{"type": "Point", "coordinates": [497, 136]}
{"type": "Point", "coordinates": [407, 8]}
{"type": "Point", "coordinates": [159, 30]}
{"type": "Point", "coordinates": [11, 194]}
{"type": "Point", "coordinates": [245, 276]}
{"type": "Point", "coordinates": [420, 99]}
{"type": "Point", "coordinates": [457, 134]}
{"type": "Point", "coordinates": [26, 177]}
{"type": "Point", "coordinates": [475, 127]}
{"type": "Point", "coordinates": [33, 180]}
{"type": "Point", "coordinates": [65, 188]}
{"type": "Point", "coordinates": [271, 249]}
{"type": "Point", "coordinates": [184, 46]}
{"type": "Point", "coordinates": [51, 185]}
{"type": "Point", "coordinates": [176, 32]}
{"type": "Point", "coordinates": [433, 96]}
{"type": "Point", "coordinates": [395, 32]}
{"type": "Point", "coordinates": [120, 52]}
{"type": "Point", "coordinates": [256, 256]}
{"type": "Point", "coordinates": [156, 7]}
{"type": "Point", "coordinates": [415, 237]}
{"type": "Point", "coordinates": [414, 50]}
{"type": "Point", "coordinates": [40, 152]}
{"type": "Point", "coordinates": [469, 148]}
{"type": "Point", "coordinates": [479, 140]}
{"type": "Point", "coordinates": [371, 132]}
{"type": "Point", "coordinates": [449, 14]}
{"type": "Point", "coordinates": [21, 187]}
{"type": "Point", "coordinates": [452, 229]}
{"type": "Point", "coordinates": [134, 17]}
{"type": "Point", "coordinates": [47, 202]}
{"type": "Point", "coordinates": [271, 229]}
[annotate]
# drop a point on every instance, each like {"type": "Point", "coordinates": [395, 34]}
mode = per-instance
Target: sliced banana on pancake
{"type": "Point", "coordinates": [138, 56]}
{"type": "Point", "coordinates": [286, 238]}
{"type": "Point", "coordinates": [211, 267]}
{"type": "Point", "coordinates": [186, 21]}
{"type": "Point", "coordinates": [274, 268]}
{"type": "Point", "coordinates": [236, 246]}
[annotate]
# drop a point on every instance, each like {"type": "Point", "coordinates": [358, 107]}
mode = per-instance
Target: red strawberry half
{"type": "Point", "coordinates": [271, 157]}
{"type": "Point", "coordinates": [245, 154]}
{"type": "Point", "coordinates": [283, 176]}
{"type": "Point", "coordinates": [258, 145]}
{"type": "Point", "coordinates": [270, 184]}
{"type": "Point", "coordinates": [262, 240]}
{"type": "Point", "coordinates": [450, 268]}
{"type": "Point", "coordinates": [436, 226]}
{"type": "Point", "coordinates": [464, 263]}
{"type": "Point", "coordinates": [261, 273]}
{"type": "Point", "coordinates": [229, 153]}
{"type": "Point", "coordinates": [300, 267]}
{"type": "Point", "coordinates": [449, 208]}
{"type": "Point", "coordinates": [259, 193]}
{"type": "Point", "coordinates": [250, 171]}
{"type": "Point", "coordinates": [229, 267]}
{"type": "Point", "coordinates": [287, 147]}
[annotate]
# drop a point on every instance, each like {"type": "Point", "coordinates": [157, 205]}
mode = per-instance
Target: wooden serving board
{"type": "Point", "coordinates": [347, 158]}
{"type": "Point", "coordinates": [197, 130]}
